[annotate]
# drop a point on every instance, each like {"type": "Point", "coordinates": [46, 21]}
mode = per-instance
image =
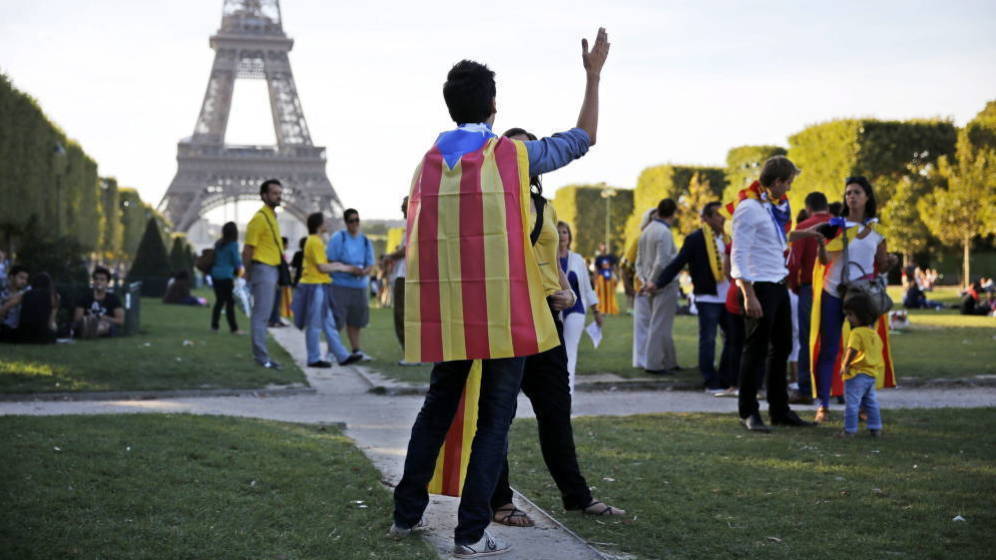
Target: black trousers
{"type": "Point", "coordinates": [398, 297]}
{"type": "Point", "coordinates": [223, 296]}
{"type": "Point", "coordinates": [767, 344]}
{"type": "Point", "coordinates": [544, 381]}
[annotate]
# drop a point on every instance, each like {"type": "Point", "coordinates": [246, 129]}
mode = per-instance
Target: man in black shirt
{"type": "Point", "coordinates": [99, 312]}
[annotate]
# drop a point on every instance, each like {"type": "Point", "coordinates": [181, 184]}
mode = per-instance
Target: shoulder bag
{"type": "Point", "coordinates": [868, 286]}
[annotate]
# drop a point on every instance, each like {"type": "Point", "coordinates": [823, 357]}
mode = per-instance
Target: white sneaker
{"type": "Point", "coordinates": [364, 356]}
{"type": "Point", "coordinates": [399, 533]}
{"type": "Point", "coordinates": [487, 546]}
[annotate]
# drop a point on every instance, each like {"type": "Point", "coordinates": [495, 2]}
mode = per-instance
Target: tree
{"type": "Point", "coordinates": [901, 221]}
{"type": "Point", "coordinates": [690, 204]}
{"type": "Point", "coordinates": [963, 207]}
{"type": "Point", "coordinates": [178, 255]}
{"type": "Point", "coordinates": [151, 265]}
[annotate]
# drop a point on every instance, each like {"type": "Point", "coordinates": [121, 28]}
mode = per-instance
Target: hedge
{"type": "Point", "coordinates": [151, 265]}
{"type": "Point", "coordinates": [583, 207]}
{"type": "Point", "coordinates": [668, 181]}
{"type": "Point", "coordinates": [743, 166]}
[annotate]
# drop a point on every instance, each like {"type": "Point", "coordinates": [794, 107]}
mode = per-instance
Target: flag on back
{"type": "Point", "coordinates": [451, 465]}
{"type": "Point", "coordinates": [473, 289]}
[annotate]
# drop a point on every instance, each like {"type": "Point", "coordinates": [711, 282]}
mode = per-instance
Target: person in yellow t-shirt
{"type": "Point", "coordinates": [261, 256]}
{"type": "Point", "coordinates": [313, 302]}
{"type": "Point", "coordinates": [862, 368]}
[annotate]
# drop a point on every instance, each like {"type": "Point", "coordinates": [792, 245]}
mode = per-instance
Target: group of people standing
{"type": "Point", "coordinates": [777, 295]}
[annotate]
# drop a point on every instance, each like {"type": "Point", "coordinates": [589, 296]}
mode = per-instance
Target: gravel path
{"type": "Point", "coordinates": [380, 426]}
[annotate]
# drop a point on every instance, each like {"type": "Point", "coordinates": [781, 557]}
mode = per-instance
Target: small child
{"type": "Point", "coordinates": [861, 368]}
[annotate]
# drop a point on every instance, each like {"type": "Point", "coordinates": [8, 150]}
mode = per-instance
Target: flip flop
{"type": "Point", "coordinates": [609, 510]}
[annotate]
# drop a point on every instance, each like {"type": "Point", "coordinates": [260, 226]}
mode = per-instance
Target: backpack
{"type": "Point", "coordinates": [205, 262]}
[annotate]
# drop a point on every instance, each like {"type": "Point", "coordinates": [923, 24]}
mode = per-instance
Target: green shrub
{"type": "Point", "coordinates": [583, 207]}
{"type": "Point", "coordinates": [743, 166]}
{"type": "Point", "coordinates": [151, 265]}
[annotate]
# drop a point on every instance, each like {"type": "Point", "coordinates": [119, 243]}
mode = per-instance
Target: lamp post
{"type": "Point", "coordinates": [607, 194]}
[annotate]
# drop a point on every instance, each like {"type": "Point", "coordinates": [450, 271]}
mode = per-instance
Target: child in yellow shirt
{"type": "Point", "coordinates": [862, 368]}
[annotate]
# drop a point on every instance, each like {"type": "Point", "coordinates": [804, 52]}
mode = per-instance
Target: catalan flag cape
{"type": "Point", "coordinates": [820, 274]}
{"type": "Point", "coordinates": [473, 288]}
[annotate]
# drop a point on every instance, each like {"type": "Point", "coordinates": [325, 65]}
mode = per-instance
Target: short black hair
{"type": "Point", "coordinates": [861, 307]}
{"type": "Point", "coordinates": [265, 187]}
{"type": "Point", "coordinates": [101, 270]}
{"type": "Point", "coordinates": [709, 210]}
{"type": "Point", "coordinates": [666, 208]}
{"type": "Point", "coordinates": [469, 91]}
{"type": "Point", "coordinates": [817, 201]}
{"type": "Point", "coordinates": [17, 269]}
{"type": "Point", "coordinates": [349, 212]}
{"type": "Point", "coordinates": [315, 221]}
{"type": "Point", "coordinates": [836, 208]}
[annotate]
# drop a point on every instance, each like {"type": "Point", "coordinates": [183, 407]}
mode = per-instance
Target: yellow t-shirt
{"type": "Point", "coordinates": [868, 353]}
{"type": "Point", "coordinates": [263, 234]}
{"type": "Point", "coordinates": [545, 250]}
{"type": "Point", "coordinates": [314, 255]}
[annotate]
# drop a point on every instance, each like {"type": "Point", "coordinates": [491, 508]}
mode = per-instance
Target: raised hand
{"type": "Point", "coordinates": [594, 59]}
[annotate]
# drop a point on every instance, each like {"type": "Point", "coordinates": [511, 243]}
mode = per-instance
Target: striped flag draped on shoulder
{"type": "Point", "coordinates": [473, 288]}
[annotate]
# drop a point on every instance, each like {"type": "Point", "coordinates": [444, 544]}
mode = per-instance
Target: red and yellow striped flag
{"type": "Point", "coordinates": [451, 465]}
{"type": "Point", "coordinates": [473, 288]}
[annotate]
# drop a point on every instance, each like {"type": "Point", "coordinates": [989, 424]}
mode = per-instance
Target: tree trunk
{"type": "Point", "coordinates": [966, 245]}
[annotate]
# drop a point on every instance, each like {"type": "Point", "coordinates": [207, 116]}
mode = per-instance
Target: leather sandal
{"type": "Point", "coordinates": [513, 517]}
{"type": "Point", "coordinates": [602, 511]}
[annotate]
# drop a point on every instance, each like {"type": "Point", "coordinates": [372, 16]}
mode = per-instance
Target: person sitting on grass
{"type": "Point", "coordinates": [313, 303]}
{"type": "Point", "coordinates": [39, 309]}
{"type": "Point", "coordinates": [99, 313]}
{"type": "Point", "coordinates": [972, 302]}
{"type": "Point", "coordinates": [862, 368]}
{"type": "Point", "coordinates": [178, 291]}
{"type": "Point", "coordinates": [11, 294]}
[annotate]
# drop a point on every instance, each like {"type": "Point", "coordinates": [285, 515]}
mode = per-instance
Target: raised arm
{"type": "Point", "coordinates": [593, 61]}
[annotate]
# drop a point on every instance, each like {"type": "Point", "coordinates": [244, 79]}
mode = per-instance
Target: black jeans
{"type": "Point", "coordinates": [767, 344]}
{"type": "Point", "coordinates": [500, 382]}
{"type": "Point", "coordinates": [545, 382]}
{"type": "Point", "coordinates": [223, 288]}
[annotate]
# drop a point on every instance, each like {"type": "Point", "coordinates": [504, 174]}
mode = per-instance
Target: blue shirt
{"type": "Point", "coordinates": [226, 261]}
{"type": "Point", "coordinates": [347, 249]}
{"type": "Point", "coordinates": [546, 154]}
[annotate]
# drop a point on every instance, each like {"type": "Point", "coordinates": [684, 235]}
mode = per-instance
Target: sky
{"type": "Point", "coordinates": [684, 82]}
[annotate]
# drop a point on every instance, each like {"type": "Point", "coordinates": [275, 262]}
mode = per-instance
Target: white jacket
{"type": "Point", "coordinates": [575, 264]}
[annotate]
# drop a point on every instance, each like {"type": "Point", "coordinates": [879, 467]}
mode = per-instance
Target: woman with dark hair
{"type": "Point", "coordinates": [39, 308]}
{"type": "Point", "coordinates": [867, 255]}
{"type": "Point", "coordinates": [227, 266]}
{"type": "Point", "coordinates": [546, 380]}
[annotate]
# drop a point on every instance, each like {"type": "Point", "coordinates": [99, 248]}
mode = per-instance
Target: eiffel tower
{"type": "Point", "coordinates": [251, 44]}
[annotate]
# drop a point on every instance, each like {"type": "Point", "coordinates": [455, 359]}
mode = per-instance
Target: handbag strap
{"type": "Point", "coordinates": [540, 203]}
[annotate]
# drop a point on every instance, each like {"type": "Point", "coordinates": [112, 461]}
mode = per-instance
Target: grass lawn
{"type": "Point", "coordinates": [180, 486]}
{"type": "Point", "coordinates": [175, 349]}
{"type": "Point", "coordinates": [699, 486]}
{"type": "Point", "coordinates": [938, 344]}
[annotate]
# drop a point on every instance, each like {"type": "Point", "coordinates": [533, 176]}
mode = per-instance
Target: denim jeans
{"type": "Point", "coordinates": [831, 324]}
{"type": "Point", "coordinates": [805, 312]}
{"type": "Point", "coordinates": [859, 392]}
{"type": "Point", "coordinates": [713, 316]}
{"type": "Point", "coordinates": [264, 289]}
{"type": "Point", "coordinates": [321, 320]}
{"type": "Point", "coordinates": [500, 383]}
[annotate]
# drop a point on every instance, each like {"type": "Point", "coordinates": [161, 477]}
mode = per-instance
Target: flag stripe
{"type": "Point", "coordinates": [449, 249]}
{"type": "Point", "coordinates": [474, 287]}
{"type": "Point", "coordinates": [452, 451]}
{"type": "Point", "coordinates": [428, 216]}
{"type": "Point", "coordinates": [523, 330]}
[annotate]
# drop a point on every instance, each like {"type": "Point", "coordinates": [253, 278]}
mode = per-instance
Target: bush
{"type": "Point", "coordinates": [583, 207]}
{"type": "Point", "coordinates": [743, 166]}
{"type": "Point", "coordinates": [151, 265]}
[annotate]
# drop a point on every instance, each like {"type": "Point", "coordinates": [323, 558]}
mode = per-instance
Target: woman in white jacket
{"type": "Point", "coordinates": [584, 298]}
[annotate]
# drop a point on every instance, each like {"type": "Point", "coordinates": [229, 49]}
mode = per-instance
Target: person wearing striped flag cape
{"type": "Point", "coordinates": [474, 291]}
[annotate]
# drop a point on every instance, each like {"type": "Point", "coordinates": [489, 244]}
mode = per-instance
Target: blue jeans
{"type": "Point", "coordinates": [712, 316]}
{"type": "Point", "coordinates": [859, 392]}
{"type": "Point", "coordinates": [805, 311]}
{"type": "Point", "coordinates": [322, 321]}
{"type": "Point", "coordinates": [500, 382]}
{"type": "Point", "coordinates": [831, 323]}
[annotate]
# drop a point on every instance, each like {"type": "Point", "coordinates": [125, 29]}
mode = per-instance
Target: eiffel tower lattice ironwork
{"type": "Point", "coordinates": [251, 44]}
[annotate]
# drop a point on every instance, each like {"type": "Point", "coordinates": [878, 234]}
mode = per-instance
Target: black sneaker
{"type": "Point", "coordinates": [320, 364]}
{"type": "Point", "coordinates": [351, 359]}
